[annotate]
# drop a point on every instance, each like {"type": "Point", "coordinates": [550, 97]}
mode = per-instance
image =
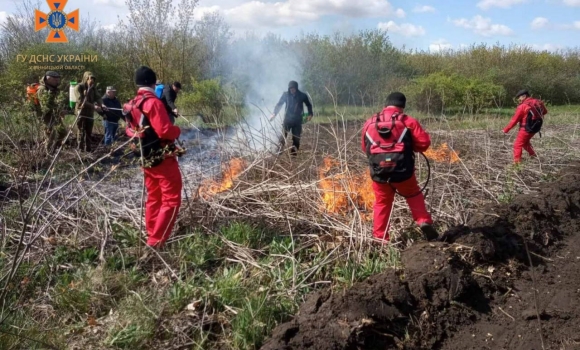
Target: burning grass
{"type": "Point", "coordinates": [442, 154]}
{"type": "Point", "coordinates": [342, 190]}
{"type": "Point", "coordinates": [230, 172]}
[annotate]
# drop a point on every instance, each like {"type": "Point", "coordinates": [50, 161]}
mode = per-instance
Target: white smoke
{"type": "Point", "coordinates": [268, 66]}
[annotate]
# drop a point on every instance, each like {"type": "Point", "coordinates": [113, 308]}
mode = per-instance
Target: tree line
{"type": "Point", "coordinates": [355, 69]}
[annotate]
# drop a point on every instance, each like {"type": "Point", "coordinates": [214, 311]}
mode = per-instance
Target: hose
{"type": "Point", "coordinates": [424, 186]}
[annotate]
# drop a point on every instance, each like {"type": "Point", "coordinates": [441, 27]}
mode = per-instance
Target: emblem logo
{"type": "Point", "coordinates": [57, 21]}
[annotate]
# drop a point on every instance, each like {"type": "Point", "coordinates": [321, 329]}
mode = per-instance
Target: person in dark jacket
{"type": "Point", "coordinates": [169, 96]}
{"type": "Point", "coordinates": [112, 115]}
{"type": "Point", "coordinates": [89, 101]}
{"type": "Point", "coordinates": [295, 101]}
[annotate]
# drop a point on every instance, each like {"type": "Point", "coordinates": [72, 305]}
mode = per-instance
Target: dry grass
{"type": "Point", "coordinates": [242, 256]}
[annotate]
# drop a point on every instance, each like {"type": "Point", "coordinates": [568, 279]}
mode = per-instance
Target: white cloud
{"type": "Point", "coordinates": [572, 3]}
{"type": "Point", "coordinates": [505, 4]}
{"type": "Point", "coordinates": [544, 23]}
{"type": "Point", "coordinates": [405, 29]}
{"type": "Point", "coordinates": [423, 9]}
{"type": "Point", "coordinates": [440, 45]}
{"type": "Point", "coordinates": [113, 3]}
{"type": "Point", "coordinates": [254, 14]}
{"type": "Point", "coordinates": [539, 22]}
{"type": "Point", "coordinates": [568, 26]}
{"type": "Point", "coordinates": [400, 13]}
{"type": "Point", "coordinates": [3, 16]}
{"type": "Point", "coordinates": [483, 26]}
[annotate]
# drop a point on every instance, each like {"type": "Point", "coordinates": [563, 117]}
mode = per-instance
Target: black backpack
{"type": "Point", "coordinates": [389, 149]}
{"type": "Point", "coordinates": [534, 119]}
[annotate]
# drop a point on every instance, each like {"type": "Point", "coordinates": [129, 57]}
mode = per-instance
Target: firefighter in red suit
{"type": "Point", "coordinates": [409, 132]}
{"type": "Point", "coordinates": [162, 176]}
{"type": "Point", "coordinates": [523, 138]}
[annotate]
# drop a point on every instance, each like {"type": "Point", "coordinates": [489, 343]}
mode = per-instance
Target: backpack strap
{"type": "Point", "coordinates": [140, 108]}
{"type": "Point", "coordinates": [136, 103]}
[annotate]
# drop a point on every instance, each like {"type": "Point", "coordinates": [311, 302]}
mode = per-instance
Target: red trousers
{"type": "Point", "coordinates": [384, 198]}
{"type": "Point", "coordinates": [523, 141]}
{"type": "Point", "coordinates": [164, 184]}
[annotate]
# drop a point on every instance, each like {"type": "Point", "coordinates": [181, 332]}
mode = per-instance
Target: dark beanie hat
{"type": "Point", "coordinates": [522, 92]}
{"type": "Point", "coordinates": [145, 76]}
{"type": "Point", "coordinates": [293, 84]}
{"type": "Point", "coordinates": [396, 99]}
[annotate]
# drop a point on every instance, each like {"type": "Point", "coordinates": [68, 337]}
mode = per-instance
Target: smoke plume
{"type": "Point", "coordinates": [265, 66]}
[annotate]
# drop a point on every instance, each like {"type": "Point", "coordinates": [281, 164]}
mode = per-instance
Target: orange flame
{"type": "Point", "coordinates": [442, 154]}
{"type": "Point", "coordinates": [341, 192]}
{"type": "Point", "coordinates": [230, 172]}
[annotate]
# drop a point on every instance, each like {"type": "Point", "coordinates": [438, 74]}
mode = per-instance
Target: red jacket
{"type": "Point", "coordinates": [155, 110]}
{"type": "Point", "coordinates": [521, 113]}
{"type": "Point", "coordinates": [421, 139]}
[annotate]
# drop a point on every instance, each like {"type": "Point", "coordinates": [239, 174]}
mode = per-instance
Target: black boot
{"type": "Point", "coordinates": [429, 231]}
{"type": "Point", "coordinates": [294, 151]}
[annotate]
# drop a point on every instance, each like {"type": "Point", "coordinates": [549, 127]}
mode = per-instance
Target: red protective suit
{"type": "Point", "coordinates": [385, 192]}
{"type": "Point", "coordinates": [163, 181]}
{"type": "Point", "coordinates": [523, 138]}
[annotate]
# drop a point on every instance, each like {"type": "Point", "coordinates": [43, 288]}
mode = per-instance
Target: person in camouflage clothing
{"type": "Point", "coordinates": [88, 100]}
{"type": "Point", "coordinates": [51, 111]}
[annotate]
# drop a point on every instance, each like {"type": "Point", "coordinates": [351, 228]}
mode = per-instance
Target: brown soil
{"type": "Point", "coordinates": [475, 290]}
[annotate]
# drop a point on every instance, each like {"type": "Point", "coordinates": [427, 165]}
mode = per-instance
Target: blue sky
{"type": "Point", "coordinates": [421, 24]}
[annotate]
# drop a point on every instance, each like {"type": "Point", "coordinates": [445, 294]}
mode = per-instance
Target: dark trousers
{"type": "Point", "coordinates": [296, 129]}
{"type": "Point", "coordinates": [85, 126]}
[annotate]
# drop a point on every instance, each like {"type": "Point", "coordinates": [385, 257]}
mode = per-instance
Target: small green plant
{"type": "Point", "coordinates": [198, 250]}
{"type": "Point", "coordinates": [245, 234]}
{"type": "Point", "coordinates": [71, 295]}
{"type": "Point", "coordinates": [258, 316]}
{"type": "Point", "coordinates": [136, 321]}
{"type": "Point", "coordinates": [126, 235]}
{"type": "Point", "coordinates": [228, 287]}
{"type": "Point", "coordinates": [353, 271]}
{"type": "Point", "coordinates": [180, 294]}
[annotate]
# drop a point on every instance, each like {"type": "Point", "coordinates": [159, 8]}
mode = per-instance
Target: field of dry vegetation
{"type": "Point", "coordinates": [255, 235]}
{"type": "Point", "coordinates": [273, 252]}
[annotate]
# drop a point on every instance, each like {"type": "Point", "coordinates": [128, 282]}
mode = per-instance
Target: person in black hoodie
{"type": "Point", "coordinates": [168, 97]}
{"type": "Point", "coordinates": [112, 116]}
{"type": "Point", "coordinates": [295, 101]}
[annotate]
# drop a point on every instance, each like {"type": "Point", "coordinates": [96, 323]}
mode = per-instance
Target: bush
{"type": "Point", "coordinates": [439, 91]}
{"type": "Point", "coordinates": [207, 100]}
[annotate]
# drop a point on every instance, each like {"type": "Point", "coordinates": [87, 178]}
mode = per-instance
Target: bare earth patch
{"type": "Point", "coordinates": [474, 291]}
